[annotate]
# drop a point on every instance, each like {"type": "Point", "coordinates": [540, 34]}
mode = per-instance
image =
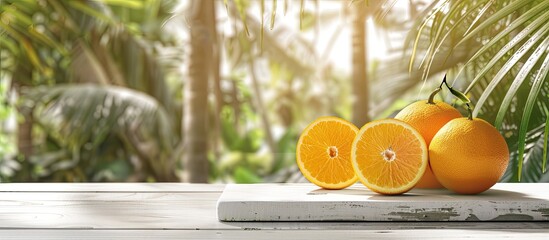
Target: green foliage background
{"type": "Point", "coordinates": [101, 82]}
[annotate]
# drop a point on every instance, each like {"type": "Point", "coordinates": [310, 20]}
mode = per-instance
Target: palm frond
{"type": "Point", "coordinates": [79, 116]}
{"type": "Point", "coordinates": [301, 60]}
{"type": "Point", "coordinates": [545, 142]}
{"type": "Point", "coordinates": [532, 160]}
{"type": "Point", "coordinates": [510, 63]}
{"type": "Point", "coordinates": [512, 38]}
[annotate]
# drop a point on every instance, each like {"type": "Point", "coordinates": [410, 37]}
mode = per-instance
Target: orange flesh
{"type": "Point", "coordinates": [324, 154]}
{"type": "Point", "coordinates": [389, 156]}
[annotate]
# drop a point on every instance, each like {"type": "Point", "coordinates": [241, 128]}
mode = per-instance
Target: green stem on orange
{"type": "Point", "coordinates": [469, 111]}
{"type": "Point", "coordinates": [457, 94]}
{"type": "Point", "coordinates": [454, 92]}
{"type": "Point", "coordinates": [434, 93]}
{"type": "Point", "coordinates": [443, 82]}
{"type": "Point", "coordinates": [432, 96]}
{"type": "Point", "coordinates": [464, 99]}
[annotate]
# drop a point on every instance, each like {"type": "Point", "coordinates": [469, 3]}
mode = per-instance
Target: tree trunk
{"type": "Point", "coordinates": [359, 64]}
{"type": "Point", "coordinates": [21, 77]}
{"type": "Point", "coordinates": [195, 121]}
{"type": "Point", "coordinates": [218, 94]}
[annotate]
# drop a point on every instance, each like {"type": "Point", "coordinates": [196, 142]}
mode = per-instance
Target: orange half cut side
{"type": "Point", "coordinates": [389, 156]}
{"type": "Point", "coordinates": [324, 153]}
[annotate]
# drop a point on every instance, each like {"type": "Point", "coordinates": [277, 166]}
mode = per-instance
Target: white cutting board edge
{"type": "Point", "coordinates": [307, 202]}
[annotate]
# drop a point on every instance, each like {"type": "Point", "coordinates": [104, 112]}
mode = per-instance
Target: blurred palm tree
{"type": "Point", "coordinates": [359, 77]}
{"type": "Point", "coordinates": [203, 39]}
{"type": "Point", "coordinates": [505, 71]}
{"type": "Point", "coordinates": [102, 43]}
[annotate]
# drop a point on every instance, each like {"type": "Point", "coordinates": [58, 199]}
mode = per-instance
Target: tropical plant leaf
{"type": "Point", "coordinates": [521, 77]}
{"type": "Point", "coordinates": [84, 115]}
{"type": "Point", "coordinates": [534, 91]}
{"type": "Point", "coordinates": [434, 46]}
{"type": "Point", "coordinates": [504, 12]}
{"type": "Point", "coordinates": [241, 6]}
{"type": "Point", "coordinates": [13, 13]}
{"type": "Point", "coordinates": [32, 55]}
{"type": "Point", "coordinates": [510, 45]}
{"type": "Point", "coordinates": [532, 169]}
{"type": "Point", "coordinates": [545, 142]}
{"type": "Point", "coordinates": [277, 50]}
{"type": "Point", "coordinates": [58, 7]}
{"type": "Point", "coordinates": [507, 66]}
{"type": "Point", "coordinates": [262, 30]}
{"type": "Point", "coordinates": [448, 33]}
{"type": "Point", "coordinates": [47, 40]}
{"type": "Point", "coordinates": [273, 14]}
{"type": "Point", "coordinates": [480, 14]}
{"type": "Point", "coordinates": [6, 42]}
{"type": "Point", "coordinates": [301, 13]}
{"type": "Point", "coordinates": [428, 14]}
{"type": "Point", "coordinates": [12, 32]}
{"type": "Point", "coordinates": [78, 112]}
{"type": "Point", "coordinates": [532, 157]}
{"type": "Point", "coordinates": [91, 11]}
{"type": "Point", "coordinates": [125, 3]}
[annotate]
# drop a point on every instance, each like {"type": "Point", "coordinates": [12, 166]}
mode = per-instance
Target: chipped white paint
{"type": "Point", "coordinates": [306, 202]}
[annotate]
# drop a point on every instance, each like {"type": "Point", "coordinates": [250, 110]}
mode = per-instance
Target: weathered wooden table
{"type": "Point", "coordinates": [188, 211]}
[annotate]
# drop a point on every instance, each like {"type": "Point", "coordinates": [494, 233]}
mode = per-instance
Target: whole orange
{"type": "Point", "coordinates": [428, 118]}
{"type": "Point", "coordinates": [468, 156]}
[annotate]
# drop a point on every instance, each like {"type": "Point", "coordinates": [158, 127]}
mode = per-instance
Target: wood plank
{"type": "Point", "coordinates": [306, 202]}
{"type": "Point", "coordinates": [108, 197]}
{"type": "Point", "coordinates": [352, 226]}
{"type": "Point", "coordinates": [274, 234]}
{"type": "Point", "coordinates": [195, 210]}
{"type": "Point", "coordinates": [185, 211]}
{"type": "Point", "coordinates": [110, 187]}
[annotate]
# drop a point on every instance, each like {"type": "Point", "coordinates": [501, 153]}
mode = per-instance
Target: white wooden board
{"type": "Point", "coordinates": [110, 187]}
{"type": "Point", "coordinates": [307, 202]}
{"type": "Point", "coordinates": [168, 234]}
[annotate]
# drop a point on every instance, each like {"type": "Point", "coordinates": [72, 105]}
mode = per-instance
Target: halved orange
{"type": "Point", "coordinates": [389, 156]}
{"type": "Point", "coordinates": [324, 153]}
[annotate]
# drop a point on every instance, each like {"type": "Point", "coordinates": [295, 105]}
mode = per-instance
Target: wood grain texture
{"type": "Point", "coordinates": [188, 211]}
{"type": "Point", "coordinates": [274, 234]}
{"type": "Point", "coordinates": [306, 202]}
{"type": "Point", "coordinates": [110, 187]}
{"type": "Point", "coordinates": [194, 210]}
